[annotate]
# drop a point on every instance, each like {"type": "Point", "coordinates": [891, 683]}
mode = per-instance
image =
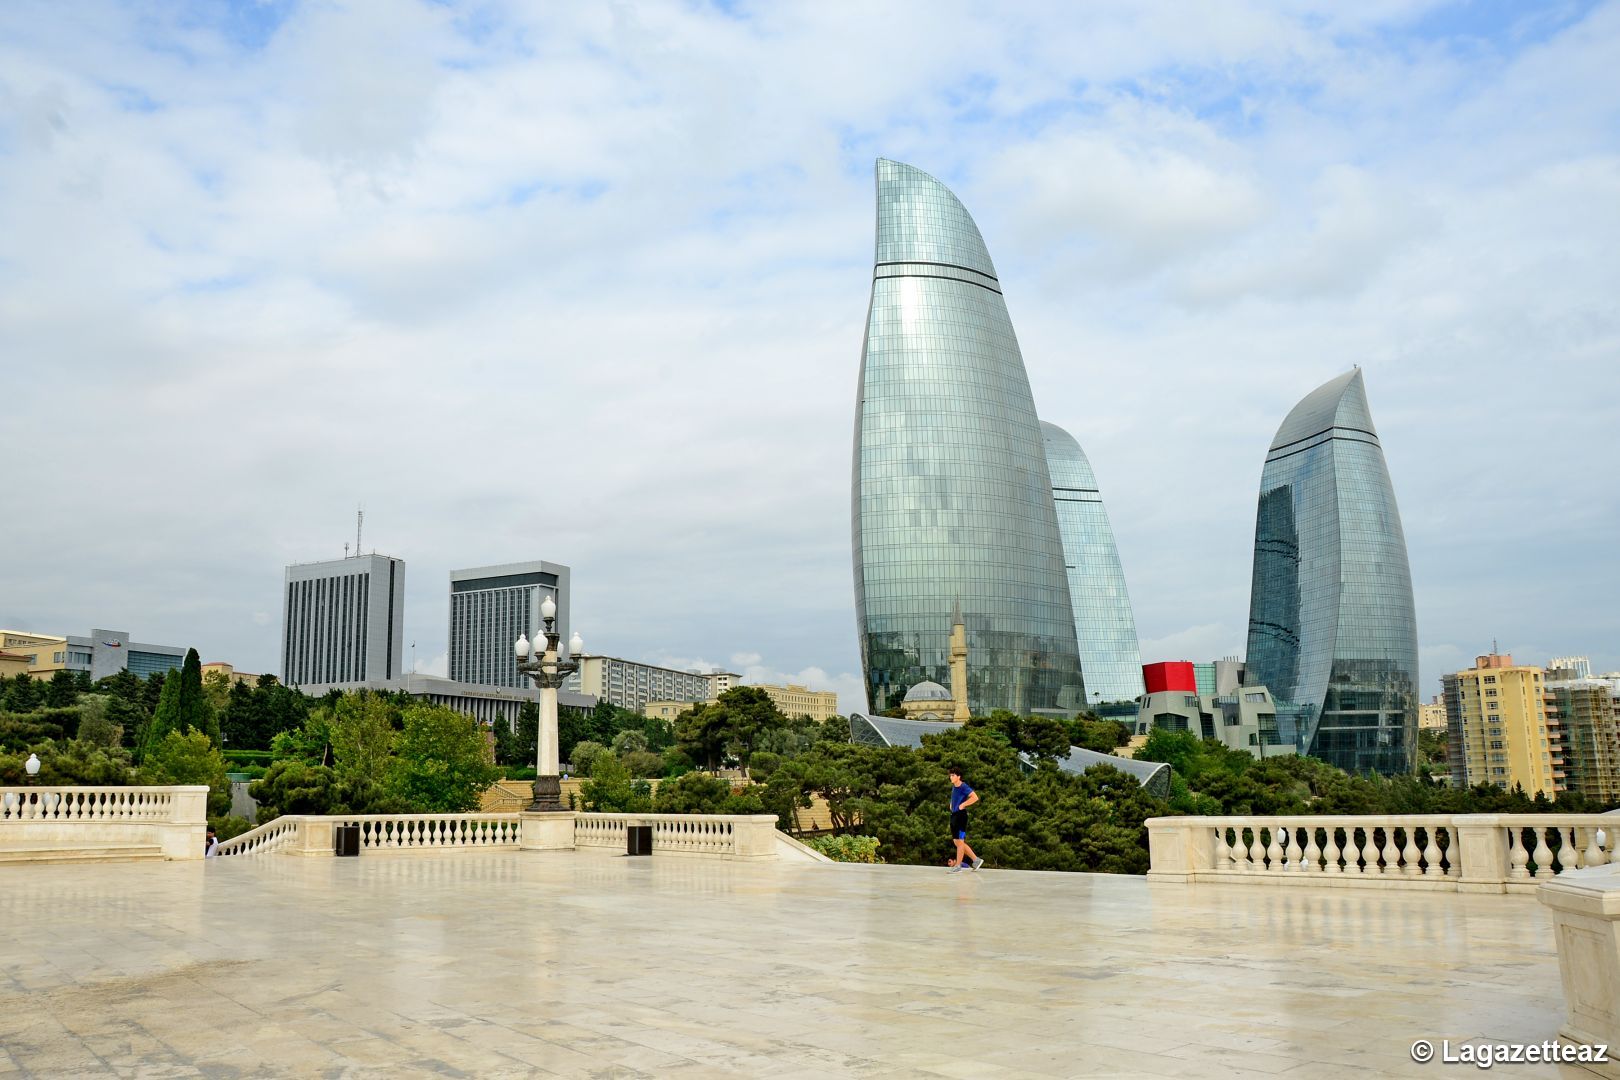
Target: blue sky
{"type": "Point", "coordinates": [260, 263]}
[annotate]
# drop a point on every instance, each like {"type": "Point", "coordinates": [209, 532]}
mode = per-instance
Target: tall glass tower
{"type": "Point", "coordinates": [1103, 624]}
{"type": "Point", "coordinates": [952, 504]}
{"type": "Point", "coordinates": [1331, 622]}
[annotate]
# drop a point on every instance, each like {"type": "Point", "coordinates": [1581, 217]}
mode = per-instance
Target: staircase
{"type": "Point", "coordinates": [110, 853]}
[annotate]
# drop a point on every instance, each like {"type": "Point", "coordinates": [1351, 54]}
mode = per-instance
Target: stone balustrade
{"type": "Point", "coordinates": [1455, 852]}
{"type": "Point", "coordinates": [62, 819]}
{"type": "Point", "coordinates": [728, 836]}
{"type": "Point", "coordinates": [742, 836]}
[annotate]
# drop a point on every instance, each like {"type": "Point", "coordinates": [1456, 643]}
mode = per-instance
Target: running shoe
{"type": "Point", "coordinates": [978, 862]}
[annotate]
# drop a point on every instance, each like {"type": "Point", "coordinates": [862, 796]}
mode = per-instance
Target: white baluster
{"type": "Point", "coordinates": [1292, 855]}
{"type": "Point", "coordinates": [1411, 854]}
{"type": "Point", "coordinates": [1257, 853]}
{"type": "Point", "coordinates": [1313, 853]}
{"type": "Point", "coordinates": [1566, 850]}
{"type": "Point", "coordinates": [1595, 855]}
{"type": "Point", "coordinates": [1223, 851]}
{"type": "Point", "coordinates": [1544, 854]}
{"type": "Point", "coordinates": [1431, 855]}
{"type": "Point", "coordinates": [1369, 851]}
{"type": "Point", "coordinates": [1392, 854]}
{"type": "Point", "coordinates": [1330, 854]}
{"type": "Point", "coordinates": [1517, 856]}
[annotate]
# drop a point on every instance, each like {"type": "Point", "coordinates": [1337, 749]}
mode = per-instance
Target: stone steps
{"type": "Point", "coordinates": [110, 853]}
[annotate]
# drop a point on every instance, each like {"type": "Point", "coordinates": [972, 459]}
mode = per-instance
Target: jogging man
{"type": "Point", "coordinates": [962, 797]}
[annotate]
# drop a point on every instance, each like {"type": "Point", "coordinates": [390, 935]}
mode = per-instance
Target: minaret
{"type": "Point", "coordinates": [959, 691]}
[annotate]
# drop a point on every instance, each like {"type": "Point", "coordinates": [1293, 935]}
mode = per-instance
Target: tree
{"type": "Point", "coordinates": [62, 690]}
{"type": "Point", "coordinates": [728, 726]}
{"type": "Point", "coordinates": [584, 757]}
{"type": "Point", "coordinates": [189, 757]}
{"type": "Point", "coordinates": [517, 745]}
{"type": "Point", "coordinates": [165, 719]}
{"type": "Point", "coordinates": [95, 727]}
{"type": "Point", "coordinates": [443, 763]}
{"type": "Point", "coordinates": [293, 787]}
{"type": "Point", "coordinates": [360, 731]}
{"type": "Point", "coordinates": [194, 711]}
{"type": "Point", "coordinates": [610, 789]}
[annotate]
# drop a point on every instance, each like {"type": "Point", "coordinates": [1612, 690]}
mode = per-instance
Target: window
{"type": "Point", "coordinates": [1254, 697]}
{"type": "Point", "coordinates": [1490, 693]}
{"type": "Point", "coordinates": [1490, 678]}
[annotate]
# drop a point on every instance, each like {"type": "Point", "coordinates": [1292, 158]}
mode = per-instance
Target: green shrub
{"type": "Point", "coordinates": [857, 849]}
{"type": "Point", "coordinates": [228, 826]}
{"type": "Point", "coordinates": [248, 757]}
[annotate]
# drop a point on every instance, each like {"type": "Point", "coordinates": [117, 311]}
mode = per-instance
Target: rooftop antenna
{"type": "Point", "coordinates": [346, 549]}
{"type": "Point", "coordinates": [359, 522]}
{"type": "Point", "coordinates": [1494, 650]}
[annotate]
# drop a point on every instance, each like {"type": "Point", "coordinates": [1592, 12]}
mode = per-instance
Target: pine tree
{"type": "Point", "coordinates": [196, 712]}
{"type": "Point", "coordinates": [165, 718]}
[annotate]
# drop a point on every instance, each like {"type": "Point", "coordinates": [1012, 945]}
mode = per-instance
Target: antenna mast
{"type": "Point", "coordinates": [359, 522]}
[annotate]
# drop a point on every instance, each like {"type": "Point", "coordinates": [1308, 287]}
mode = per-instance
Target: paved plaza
{"type": "Point", "coordinates": [506, 964]}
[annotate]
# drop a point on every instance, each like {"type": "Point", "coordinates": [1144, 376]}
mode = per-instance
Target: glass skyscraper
{"type": "Point", "coordinates": [1332, 628]}
{"type": "Point", "coordinates": [952, 503]}
{"type": "Point", "coordinates": [1104, 626]}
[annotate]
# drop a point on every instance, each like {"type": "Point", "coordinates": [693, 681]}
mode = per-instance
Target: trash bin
{"type": "Point", "coordinates": [640, 840]}
{"type": "Point", "coordinates": [346, 840]}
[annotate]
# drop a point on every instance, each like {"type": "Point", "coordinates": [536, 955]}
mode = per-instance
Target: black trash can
{"type": "Point", "coordinates": [640, 840]}
{"type": "Point", "coordinates": [346, 840]}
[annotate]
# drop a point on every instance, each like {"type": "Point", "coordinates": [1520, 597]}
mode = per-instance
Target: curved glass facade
{"type": "Point", "coordinates": [952, 504]}
{"type": "Point", "coordinates": [1104, 627]}
{"type": "Point", "coordinates": [1332, 628]}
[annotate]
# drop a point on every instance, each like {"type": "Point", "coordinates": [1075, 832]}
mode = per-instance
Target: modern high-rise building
{"type": "Point", "coordinates": [1332, 628]}
{"type": "Point", "coordinates": [952, 501]}
{"type": "Point", "coordinates": [490, 607]}
{"type": "Point", "coordinates": [1498, 728]}
{"type": "Point", "coordinates": [343, 622]}
{"type": "Point", "coordinates": [1104, 626]}
{"type": "Point", "coordinates": [1588, 710]}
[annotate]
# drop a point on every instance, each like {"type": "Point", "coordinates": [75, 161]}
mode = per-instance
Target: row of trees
{"type": "Point", "coordinates": [374, 753]}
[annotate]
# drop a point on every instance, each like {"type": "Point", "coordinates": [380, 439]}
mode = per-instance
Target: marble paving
{"type": "Point", "coordinates": [506, 964]}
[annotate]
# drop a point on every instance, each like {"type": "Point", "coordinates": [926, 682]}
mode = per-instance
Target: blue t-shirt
{"type": "Point", "coordinates": [959, 795]}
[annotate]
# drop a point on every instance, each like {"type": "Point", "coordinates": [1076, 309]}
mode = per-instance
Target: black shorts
{"type": "Point", "coordinates": [958, 824]}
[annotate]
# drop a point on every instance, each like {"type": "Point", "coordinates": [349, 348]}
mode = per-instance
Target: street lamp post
{"type": "Point", "coordinates": [549, 671]}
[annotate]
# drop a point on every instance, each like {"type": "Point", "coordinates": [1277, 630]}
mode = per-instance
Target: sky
{"type": "Point", "coordinates": [588, 283]}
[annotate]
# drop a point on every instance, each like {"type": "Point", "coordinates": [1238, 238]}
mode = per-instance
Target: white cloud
{"type": "Point", "coordinates": [409, 255]}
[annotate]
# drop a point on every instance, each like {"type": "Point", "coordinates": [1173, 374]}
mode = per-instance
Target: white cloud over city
{"type": "Point", "coordinates": [588, 283]}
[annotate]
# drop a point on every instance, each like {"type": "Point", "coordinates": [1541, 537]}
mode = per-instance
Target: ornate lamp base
{"type": "Point", "coordinates": [547, 794]}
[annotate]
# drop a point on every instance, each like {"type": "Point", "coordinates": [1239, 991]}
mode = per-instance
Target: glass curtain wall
{"type": "Point", "coordinates": [952, 503]}
{"type": "Point", "coordinates": [1332, 628]}
{"type": "Point", "coordinates": [1104, 626]}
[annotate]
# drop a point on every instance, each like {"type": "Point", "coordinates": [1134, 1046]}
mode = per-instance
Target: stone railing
{"type": "Point", "coordinates": [729, 836]}
{"type": "Point", "coordinates": [745, 836]}
{"type": "Point", "coordinates": [274, 835]}
{"type": "Point", "coordinates": [1456, 852]}
{"type": "Point", "coordinates": [64, 818]}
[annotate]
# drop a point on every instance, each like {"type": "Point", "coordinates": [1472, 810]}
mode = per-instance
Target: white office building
{"type": "Point", "coordinates": [343, 623]}
{"type": "Point", "coordinates": [490, 607]}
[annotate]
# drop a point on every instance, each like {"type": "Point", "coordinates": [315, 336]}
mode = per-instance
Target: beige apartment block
{"type": "Point", "coordinates": [668, 710]}
{"type": "Point", "coordinates": [1432, 714]}
{"type": "Point", "coordinates": [46, 653]}
{"type": "Point", "coordinates": [1499, 728]}
{"type": "Point", "coordinates": [13, 664]}
{"type": "Point", "coordinates": [220, 667]}
{"type": "Point", "coordinates": [818, 705]}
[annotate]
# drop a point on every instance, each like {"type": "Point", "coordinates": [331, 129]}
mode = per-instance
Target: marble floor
{"type": "Point", "coordinates": [510, 964]}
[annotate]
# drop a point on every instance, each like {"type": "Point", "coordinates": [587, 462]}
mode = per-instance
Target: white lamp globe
{"type": "Point", "coordinates": [548, 608]}
{"type": "Point", "coordinates": [576, 644]}
{"type": "Point", "coordinates": [32, 764]}
{"type": "Point", "coordinates": [522, 647]}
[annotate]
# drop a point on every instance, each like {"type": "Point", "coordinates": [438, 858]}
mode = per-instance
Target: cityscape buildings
{"type": "Point", "coordinates": [791, 700]}
{"type": "Point", "coordinates": [490, 608]}
{"type": "Point", "coordinates": [1498, 728]}
{"type": "Point", "coordinates": [1332, 628]}
{"type": "Point", "coordinates": [632, 685]}
{"type": "Point", "coordinates": [1104, 626]}
{"type": "Point", "coordinates": [1242, 716]}
{"type": "Point", "coordinates": [1588, 712]}
{"type": "Point", "coordinates": [952, 501]}
{"type": "Point", "coordinates": [343, 622]}
{"type": "Point", "coordinates": [100, 654]}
